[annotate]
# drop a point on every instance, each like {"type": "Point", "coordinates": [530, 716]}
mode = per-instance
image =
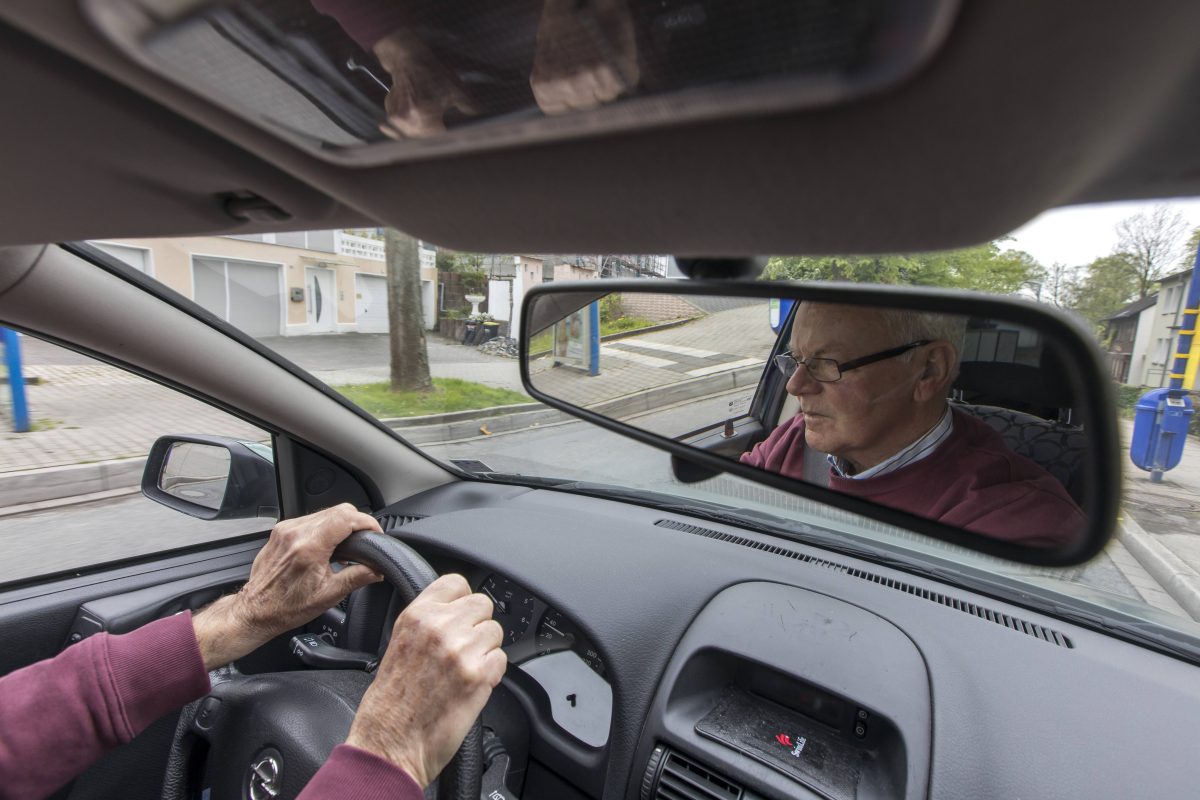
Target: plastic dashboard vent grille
{"type": "Point", "coordinates": [1015, 623]}
{"type": "Point", "coordinates": [389, 522]}
{"type": "Point", "coordinates": [684, 779]}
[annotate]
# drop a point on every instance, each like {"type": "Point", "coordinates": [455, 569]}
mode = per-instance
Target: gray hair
{"type": "Point", "coordinates": [904, 326]}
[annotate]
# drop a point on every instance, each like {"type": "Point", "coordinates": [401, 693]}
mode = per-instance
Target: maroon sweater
{"type": "Point", "coordinates": [972, 480]}
{"type": "Point", "coordinates": [61, 714]}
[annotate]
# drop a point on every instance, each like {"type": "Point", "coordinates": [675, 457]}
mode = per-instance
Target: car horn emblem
{"type": "Point", "coordinates": [265, 778]}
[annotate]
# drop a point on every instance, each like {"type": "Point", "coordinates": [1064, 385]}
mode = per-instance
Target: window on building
{"type": "Point", "coordinates": [1161, 350]}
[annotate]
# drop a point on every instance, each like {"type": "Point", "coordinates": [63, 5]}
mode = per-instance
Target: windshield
{"type": "Point", "coordinates": [423, 338]}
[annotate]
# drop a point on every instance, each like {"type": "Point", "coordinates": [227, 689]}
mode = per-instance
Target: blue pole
{"type": "Point", "coordinates": [16, 380]}
{"type": "Point", "coordinates": [594, 338]}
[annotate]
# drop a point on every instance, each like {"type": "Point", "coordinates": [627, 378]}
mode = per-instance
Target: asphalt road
{"type": "Point", "coordinates": [94, 533]}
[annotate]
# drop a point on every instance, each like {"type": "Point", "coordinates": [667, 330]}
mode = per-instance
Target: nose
{"type": "Point", "coordinates": [801, 383]}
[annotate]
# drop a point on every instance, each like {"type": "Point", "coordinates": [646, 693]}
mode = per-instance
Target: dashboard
{"type": "Point", "coordinates": [558, 655]}
{"type": "Point", "coordinates": [739, 665]}
{"type": "Point", "coordinates": [658, 656]}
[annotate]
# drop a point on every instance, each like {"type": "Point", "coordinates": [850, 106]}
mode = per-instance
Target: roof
{"type": "Point", "coordinates": [1181, 274]}
{"type": "Point", "coordinates": [1134, 308]}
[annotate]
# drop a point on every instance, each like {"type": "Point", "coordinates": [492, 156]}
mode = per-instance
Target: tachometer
{"type": "Point", "coordinates": [513, 607]}
{"type": "Point", "coordinates": [555, 633]}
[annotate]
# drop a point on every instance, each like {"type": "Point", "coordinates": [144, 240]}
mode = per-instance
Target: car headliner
{"type": "Point", "coordinates": [1029, 105]}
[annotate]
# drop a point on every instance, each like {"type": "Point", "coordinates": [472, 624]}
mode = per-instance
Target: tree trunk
{"type": "Point", "coordinates": [406, 326]}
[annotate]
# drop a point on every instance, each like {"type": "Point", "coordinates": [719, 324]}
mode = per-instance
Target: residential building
{"type": "Point", "coordinates": [1127, 339]}
{"type": "Point", "coordinates": [1164, 332]}
{"type": "Point", "coordinates": [281, 284]}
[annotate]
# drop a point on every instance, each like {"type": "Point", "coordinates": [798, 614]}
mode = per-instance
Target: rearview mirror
{"type": "Point", "coordinates": [982, 421]}
{"type": "Point", "coordinates": [212, 477]}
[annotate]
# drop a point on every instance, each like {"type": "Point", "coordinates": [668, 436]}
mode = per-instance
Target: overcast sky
{"type": "Point", "coordinates": [1078, 234]}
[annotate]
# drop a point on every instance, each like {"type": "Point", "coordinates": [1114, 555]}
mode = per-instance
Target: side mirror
{"type": "Point", "coordinates": [212, 477]}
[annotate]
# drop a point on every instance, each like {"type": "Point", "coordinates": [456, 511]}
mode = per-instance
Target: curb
{"type": "Point", "coordinates": [28, 488]}
{"type": "Point", "coordinates": [1176, 578]}
{"type": "Point", "coordinates": [55, 483]}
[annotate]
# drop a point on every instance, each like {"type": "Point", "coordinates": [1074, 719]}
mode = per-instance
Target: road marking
{"type": "Point", "coordinates": [694, 352]}
{"type": "Point", "coordinates": [728, 365]}
{"type": "Point", "coordinates": [637, 358]}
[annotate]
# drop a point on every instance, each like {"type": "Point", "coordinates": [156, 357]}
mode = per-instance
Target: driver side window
{"type": "Point", "coordinates": [70, 485]}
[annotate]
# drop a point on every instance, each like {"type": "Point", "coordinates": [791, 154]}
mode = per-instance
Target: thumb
{"type": "Point", "coordinates": [354, 577]}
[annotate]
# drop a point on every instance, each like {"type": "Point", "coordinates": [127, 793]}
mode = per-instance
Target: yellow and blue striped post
{"type": "Point", "coordinates": [16, 380]}
{"type": "Point", "coordinates": [1175, 400]}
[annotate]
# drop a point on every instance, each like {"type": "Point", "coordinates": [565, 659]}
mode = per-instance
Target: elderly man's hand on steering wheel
{"type": "Point", "coordinates": [291, 582]}
{"type": "Point", "coordinates": [442, 662]}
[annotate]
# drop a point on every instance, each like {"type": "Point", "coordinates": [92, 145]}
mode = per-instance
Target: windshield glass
{"type": "Point", "coordinates": [423, 338]}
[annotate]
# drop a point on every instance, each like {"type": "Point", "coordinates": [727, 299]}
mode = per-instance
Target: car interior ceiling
{"type": "Point", "coordinates": [137, 156]}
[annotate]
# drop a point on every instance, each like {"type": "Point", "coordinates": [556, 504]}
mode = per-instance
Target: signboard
{"type": "Point", "coordinates": [577, 340]}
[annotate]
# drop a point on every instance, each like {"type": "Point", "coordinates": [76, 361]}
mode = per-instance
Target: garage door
{"type": "Point", "coordinates": [250, 296]}
{"type": "Point", "coordinates": [370, 303]}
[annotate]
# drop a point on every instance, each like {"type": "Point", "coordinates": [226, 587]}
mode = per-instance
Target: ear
{"type": "Point", "coordinates": [936, 360]}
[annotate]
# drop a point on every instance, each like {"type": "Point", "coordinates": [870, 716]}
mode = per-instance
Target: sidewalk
{"type": "Point", "coordinates": [1161, 522]}
{"type": "Point", "coordinates": [724, 341]}
{"type": "Point", "coordinates": [94, 424]}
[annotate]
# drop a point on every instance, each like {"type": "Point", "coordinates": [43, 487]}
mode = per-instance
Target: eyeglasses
{"type": "Point", "coordinates": [826, 370]}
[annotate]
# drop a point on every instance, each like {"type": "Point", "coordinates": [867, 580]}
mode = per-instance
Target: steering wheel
{"type": "Point", "coordinates": [264, 736]}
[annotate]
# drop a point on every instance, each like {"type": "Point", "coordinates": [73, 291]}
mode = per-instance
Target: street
{"type": "Point", "coordinates": [95, 532]}
{"type": "Point", "coordinates": [92, 533]}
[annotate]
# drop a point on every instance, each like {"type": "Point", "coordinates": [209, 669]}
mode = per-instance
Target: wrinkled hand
{"type": "Point", "coordinates": [442, 662]}
{"type": "Point", "coordinates": [586, 55]}
{"type": "Point", "coordinates": [423, 88]}
{"type": "Point", "coordinates": [291, 582]}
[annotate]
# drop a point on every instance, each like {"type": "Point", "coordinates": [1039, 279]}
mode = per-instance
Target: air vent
{"type": "Point", "coordinates": [1015, 623]}
{"type": "Point", "coordinates": [389, 522]}
{"type": "Point", "coordinates": [670, 776]}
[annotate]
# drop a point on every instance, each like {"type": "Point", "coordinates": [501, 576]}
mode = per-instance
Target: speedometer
{"type": "Point", "coordinates": [512, 607]}
{"type": "Point", "coordinates": [556, 633]}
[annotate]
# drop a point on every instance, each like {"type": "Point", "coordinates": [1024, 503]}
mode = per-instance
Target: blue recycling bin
{"type": "Point", "coordinates": [779, 310]}
{"type": "Point", "coordinates": [1160, 427]}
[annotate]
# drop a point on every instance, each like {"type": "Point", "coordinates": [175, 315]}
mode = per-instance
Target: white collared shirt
{"type": "Point", "coordinates": [921, 448]}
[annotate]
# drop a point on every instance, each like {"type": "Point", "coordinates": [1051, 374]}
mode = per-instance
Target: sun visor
{"type": "Point", "coordinates": [381, 81]}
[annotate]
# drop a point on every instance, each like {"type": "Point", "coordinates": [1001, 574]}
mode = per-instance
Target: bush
{"type": "Point", "coordinates": [1127, 396]}
{"type": "Point", "coordinates": [611, 308]}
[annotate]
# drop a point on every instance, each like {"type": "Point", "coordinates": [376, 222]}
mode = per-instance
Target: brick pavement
{"type": "Point", "coordinates": [718, 342]}
{"type": "Point", "coordinates": [85, 411]}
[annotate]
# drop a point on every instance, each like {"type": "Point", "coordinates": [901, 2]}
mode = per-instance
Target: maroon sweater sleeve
{"type": "Point", "coordinates": [353, 773]}
{"type": "Point", "coordinates": [60, 715]}
{"type": "Point", "coordinates": [782, 451]}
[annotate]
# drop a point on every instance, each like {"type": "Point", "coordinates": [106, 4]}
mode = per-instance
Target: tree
{"type": "Point", "coordinates": [1107, 284]}
{"type": "Point", "coordinates": [409, 356]}
{"type": "Point", "coordinates": [1188, 260]}
{"type": "Point", "coordinates": [986, 268]}
{"type": "Point", "coordinates": [1059, 285]}
{"type": "Point", "coordinates": [1151, 241]}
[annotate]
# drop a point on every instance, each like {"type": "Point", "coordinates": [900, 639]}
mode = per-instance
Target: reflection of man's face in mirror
{"type": "Point", "coordinates": [871, 412]}
{"type": "Point", "coordinates": [872, 386]}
